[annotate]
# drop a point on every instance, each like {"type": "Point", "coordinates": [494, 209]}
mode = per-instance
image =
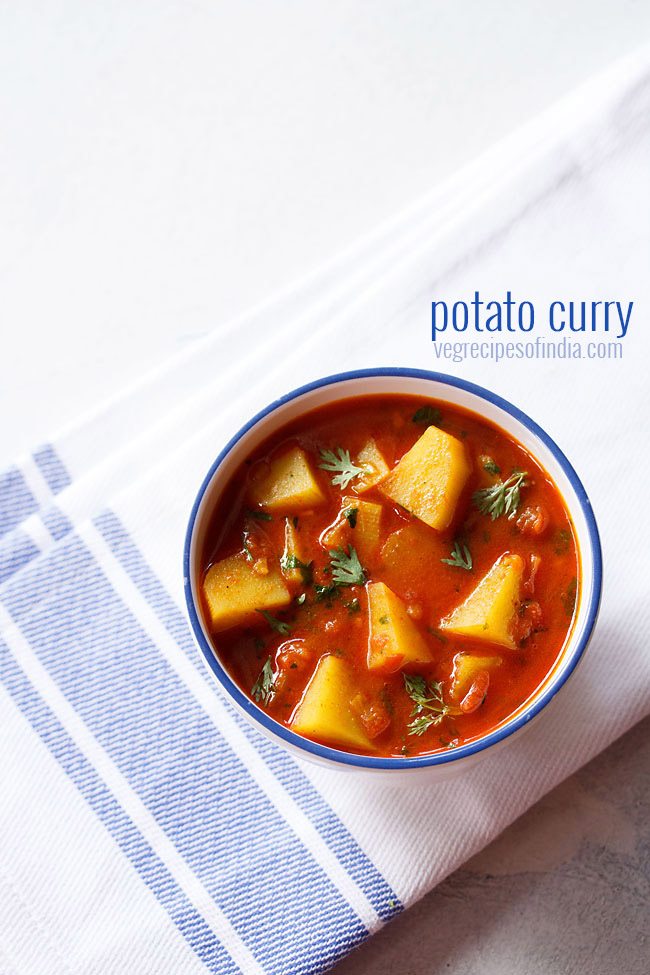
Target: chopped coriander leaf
{"type": "Point", "coordinates": [346, 568]}
{"type": "Point", "coordinates": [491, 466]}
{"type": "Point", "coordinates": [275, 624]}
{"type": "Point", "coordinates": [427, 416]}
{"type": "Point", "coordinates": [461, 557]}
{"type": "Point", "coordinates": [569, 597]}
{"type": "Point", "coordinates": [429, 709]}
{"type": "Point", "coordinates": [341, 465]}
{"type": "Point", "coordinates": [351, 515]}
{"type": "Point", "coordinates": [259, 515]}
{"type": "Point", "coordinates": [437, 634]}
{"type": "Point", "coordinates": [262, 689]}
{"type": "Point", "coordinates": [502, 498]}
{"type": "Point", "coordinates": [289, 562]}
{"type": "Point", "coordinates": [353, 606]}
{"type": "Point", "coordinates": [422, 723]}
{"type": "Point", "coordinates": [416, 688]}
{"type": "Point", "coordinates": [562, 541]}
{"type": "Point", "coordinates": [386, 700]}
{"type": "Point", "coordinates": [326, 593]}
{"type": "Point", "coordinates": [383, 620]}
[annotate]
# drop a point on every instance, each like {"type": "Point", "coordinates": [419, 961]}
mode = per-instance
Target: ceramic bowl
{"type": "Point", "coordinates": [427, 385]}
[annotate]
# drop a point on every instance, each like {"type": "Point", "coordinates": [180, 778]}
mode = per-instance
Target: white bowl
{"type": "Point", "coordinates": [427, 385]}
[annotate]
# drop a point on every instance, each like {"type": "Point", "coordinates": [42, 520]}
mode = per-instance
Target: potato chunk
{"type": "Point", "coordinates": [372, 460]}
{"type": "Point", "coordinates": [489, 611]}
{"type": "Point", "coordinates": [366, 517]}
{"type": "Point", "coordinates": [466, 667]}
{"type": "Point", "coordinates": [293, 553]}
{"type": "Point", "coordinates": [287, 483]}
{"type": "Point", "coordinates": [234, 591]}
{"type": "Point", "coordinates": [365, 534]}
{"type": "Point", "coordinates": [411, 555]}
{"type": "Point", "coordinates": [325, 711]}
{"type": "Point", "coordinates": [429, 478]}
{"type": "Point", "coordinates": [394, 640]}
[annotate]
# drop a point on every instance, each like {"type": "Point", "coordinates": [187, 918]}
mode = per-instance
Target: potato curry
{"type": "Point", "coordinates": [390, 576]}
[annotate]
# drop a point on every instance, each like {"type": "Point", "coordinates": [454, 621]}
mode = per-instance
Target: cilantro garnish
{"type": "Point", "coordinates": [429, 707]}
{"type": "Point", "coordinates": [341, 465]}
{"type": "Point", "coordinates": [262, 689]}
{"type": "Point", "coordinates": [502, 498]}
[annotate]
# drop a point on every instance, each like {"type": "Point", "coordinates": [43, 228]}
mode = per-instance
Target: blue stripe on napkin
{"type": "Point", "coordinates": [56, 522]}
{"type": "Point", "coordinates": [150, 868]}
{"type": "Point", "coordinates": [288, 773]}
{"type": "Point", "coordinates": [256, 869]}
{"type": "Point", "coordinates": [52, 468]}
{"type": "Point", "coordinates": [15, 552]}
{"type": "Point", "coordinates": [16, 500]}
{"type": "Point", "coordinates": [17, 549]}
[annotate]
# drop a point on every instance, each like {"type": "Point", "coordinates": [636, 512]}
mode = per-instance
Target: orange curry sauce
{"type": "Point", "coordinates": [409, 561]}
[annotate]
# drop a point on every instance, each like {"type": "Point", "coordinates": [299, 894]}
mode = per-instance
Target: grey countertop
{"type": "Point", "coordinates": [564, 890]}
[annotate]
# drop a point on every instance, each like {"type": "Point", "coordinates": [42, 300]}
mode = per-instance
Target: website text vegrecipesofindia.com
{"type": "Point", "coordinates": [498, 350]}
{"type": "Point", "coordinates": [566, 322]}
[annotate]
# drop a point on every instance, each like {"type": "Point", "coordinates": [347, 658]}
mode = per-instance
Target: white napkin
{"type": "Point", "coordinates": [147, 828]}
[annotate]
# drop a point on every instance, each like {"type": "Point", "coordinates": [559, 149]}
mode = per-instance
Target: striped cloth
{"type": "Point", "coordinates": [144, 826]}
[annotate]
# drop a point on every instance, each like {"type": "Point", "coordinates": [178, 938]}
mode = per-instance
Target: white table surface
{"type": "Point", "coordinates": [163, 166]}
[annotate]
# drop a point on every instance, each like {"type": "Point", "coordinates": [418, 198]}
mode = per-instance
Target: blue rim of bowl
{"type": "Point", "coordinates": [437, 758]}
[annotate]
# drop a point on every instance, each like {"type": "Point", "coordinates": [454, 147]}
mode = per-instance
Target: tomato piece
{"type": "Point", "coordinates": [534, 563]}
{"type": "Point", "coordinates": [373, 716]}
{"type": "Point", "coordinates": [293, 655]}
{"type": "Point", "coordinates": [533, 520]}
{"type": "Point", "coordinates": [476, 693]}
{"type": "Point", "coordinates": [529, 620]}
